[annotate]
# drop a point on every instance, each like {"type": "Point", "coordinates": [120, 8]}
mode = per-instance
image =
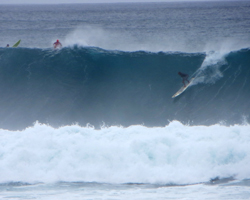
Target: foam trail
{"type": "Point", "coordinates": [209, 72]}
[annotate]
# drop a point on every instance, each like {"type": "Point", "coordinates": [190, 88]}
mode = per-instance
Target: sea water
{"type": "Point", "coordinates": [96, 119]}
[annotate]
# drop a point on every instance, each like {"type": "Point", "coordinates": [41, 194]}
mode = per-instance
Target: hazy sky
{"type": "Point", "coordinates": [81, 1]}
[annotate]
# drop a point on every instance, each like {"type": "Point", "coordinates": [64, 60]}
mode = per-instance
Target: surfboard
{"type": "Point", "coordinates": [182, 89]}
{"type": "Point", "coordinates": [16, 45]}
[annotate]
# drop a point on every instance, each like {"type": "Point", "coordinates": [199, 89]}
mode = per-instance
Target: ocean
{"type": "Point", "coordinates": [96, 118]}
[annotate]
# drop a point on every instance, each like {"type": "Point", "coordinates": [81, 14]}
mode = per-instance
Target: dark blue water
{"type": "Point", "coordinates": [119, 63]}
{"type": "Point", "coordinates": [91, 85]}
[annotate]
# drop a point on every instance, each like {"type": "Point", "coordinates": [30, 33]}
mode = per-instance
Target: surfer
{"type": "Point", "coordinates": [8, 45]}
{"type": "Point", "coordinates": [57, 44]}
{"type": "Point", "coordinates": [184, 78]}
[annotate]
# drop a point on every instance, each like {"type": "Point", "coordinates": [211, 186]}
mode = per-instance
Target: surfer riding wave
{"type": "Point", "coordinates": [57, 44]}
{"type": "Point", "coordinates": [184, 78]}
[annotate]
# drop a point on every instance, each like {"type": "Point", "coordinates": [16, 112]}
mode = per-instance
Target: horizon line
{"type": "Point", "coordinates": [123, 2]}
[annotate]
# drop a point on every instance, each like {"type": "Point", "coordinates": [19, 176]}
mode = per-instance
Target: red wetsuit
{"type": "Point", "coordinates": [57, 44]}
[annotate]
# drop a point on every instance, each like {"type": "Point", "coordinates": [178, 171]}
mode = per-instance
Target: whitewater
{"type": "Point", "coordinates": [96, 119]}
{"type": "Point", "coordinates": [175, 154]}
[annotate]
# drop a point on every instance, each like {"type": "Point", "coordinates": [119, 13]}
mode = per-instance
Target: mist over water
{"type": "Point", "coordinates": [172, 26]}
{"type": "Point", "coordinates": [115, 40]}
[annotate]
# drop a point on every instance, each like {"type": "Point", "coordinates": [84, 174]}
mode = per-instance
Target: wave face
{"type": "Point", "coordinates": [96, 86]}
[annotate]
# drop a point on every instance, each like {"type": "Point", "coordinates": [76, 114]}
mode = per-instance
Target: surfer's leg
{"type": "Point", "coordinates": [186, 79]}
{"type": "Point", "coordinates": [183, 81]}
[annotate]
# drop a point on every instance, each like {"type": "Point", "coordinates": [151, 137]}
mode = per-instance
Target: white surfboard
{"type": "Point", "coordinates": [182, 89]}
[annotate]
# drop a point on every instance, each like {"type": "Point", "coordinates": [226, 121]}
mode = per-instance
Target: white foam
{"type": "Point", "coordinates": [173, 154]}
{"type": "Point", "coordinates": [225, 45]}
{"type": "Point", "coordinates": [209, 72]}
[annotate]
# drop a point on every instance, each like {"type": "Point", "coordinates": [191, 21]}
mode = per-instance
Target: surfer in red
{"type": "Point", "coordinates": [184, 78]}
{"type": "Point", "coordinates": [57, 44]}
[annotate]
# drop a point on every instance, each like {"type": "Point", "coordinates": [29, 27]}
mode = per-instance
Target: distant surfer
{"type": "Point", "coordinates": [8, 45]}
{"type": "Point", "coordinates": [57, 44]}
{"type": "Point", "coordinates": [184, 78]}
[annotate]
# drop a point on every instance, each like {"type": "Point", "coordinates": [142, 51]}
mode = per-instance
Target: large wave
{"type": "Point", "coordinates": [91, 85]}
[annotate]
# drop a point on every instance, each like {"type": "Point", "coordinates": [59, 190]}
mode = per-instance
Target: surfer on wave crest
{"type": "Point", "coordinates": [57, 44]}
{"type": "Point", "coordinates": [184, 78]}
